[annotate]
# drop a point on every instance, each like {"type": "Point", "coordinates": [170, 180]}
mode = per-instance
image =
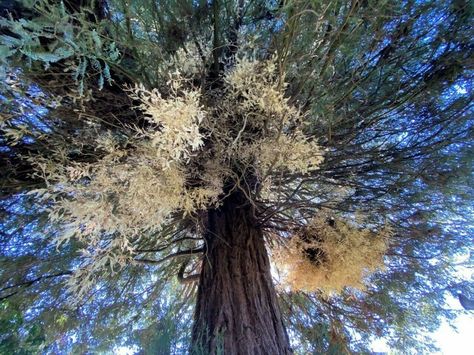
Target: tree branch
{"type": "Point", "coordinates": [170, 256]}
{"type": "Point", "coordinates": [30, 283]}
{"type": "Point", "coordinates": [188, 279]}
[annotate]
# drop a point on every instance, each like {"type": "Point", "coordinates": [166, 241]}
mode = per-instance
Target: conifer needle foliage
{"type": "Point", "coordinates": [139, 139]}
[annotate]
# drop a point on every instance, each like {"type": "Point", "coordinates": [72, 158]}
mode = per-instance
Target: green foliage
{"type": "Point", "coordinates": [19, 336]}
{"type": "Point", "coordinates": [56, 35]}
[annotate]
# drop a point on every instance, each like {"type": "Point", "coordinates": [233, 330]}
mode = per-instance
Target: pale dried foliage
{"type": "Point", "coordinates": [140, 183]}
{"type": "Point", "coordinates": [270, 132]}
{"type": "Point", "coordinates": [109, 204]}
{"type": "Point", "coordinates": [286, 152]}
{"type": "Point", "coordinates": [176, 121]}
{"type": "Point", "coordinates": [188, 60]}
{"type": "Point", "coordinates": [330, 256]}
{"type": "Point", "coordinates": [255, 86]}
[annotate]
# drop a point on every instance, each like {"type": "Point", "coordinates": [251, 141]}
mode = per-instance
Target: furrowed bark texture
{"type": "Point", "coordinates": [237, 310]}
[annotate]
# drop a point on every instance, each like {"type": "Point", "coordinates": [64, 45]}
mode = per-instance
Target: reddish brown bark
{"type": "Point", "coordinates": [237, 310]}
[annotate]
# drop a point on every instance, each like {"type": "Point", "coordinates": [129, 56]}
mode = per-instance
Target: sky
{"type": "Point", "coordinates": [450, 341]}
{"type": "Point", "coordinates": [458, 342]}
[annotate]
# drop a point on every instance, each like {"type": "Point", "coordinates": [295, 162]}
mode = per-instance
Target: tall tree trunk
{"type": "Point", "coordinates": [237, 310]}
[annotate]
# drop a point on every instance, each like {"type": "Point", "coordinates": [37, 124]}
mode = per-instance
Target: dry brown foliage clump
{"type": "Point", "coordinates": [330, 254]}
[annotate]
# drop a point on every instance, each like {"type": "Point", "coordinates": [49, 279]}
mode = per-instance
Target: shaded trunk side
{"type": "Point", "coordinates": [237, 310]}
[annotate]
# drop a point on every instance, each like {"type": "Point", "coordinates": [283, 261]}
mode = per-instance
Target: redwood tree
{"type": "Point", "coordinates": [300, 171]}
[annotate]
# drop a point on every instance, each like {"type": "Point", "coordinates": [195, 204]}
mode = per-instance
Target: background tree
{"type": "Point", "coordinates": [154, 152]}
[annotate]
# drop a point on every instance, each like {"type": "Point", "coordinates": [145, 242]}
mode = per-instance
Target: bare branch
{"type": "Point", "coordinates": [188, 279]}
{"type": "Point", "coordinates": [171, 256]}
{"type": "Point", "coordinates": [30, 283]}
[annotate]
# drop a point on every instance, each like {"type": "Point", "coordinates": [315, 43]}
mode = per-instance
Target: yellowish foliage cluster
{"type": "Point", "coordinates": [293, 153]}
{"type": "Point", "coordinates": [260, 94]}
{"type": "Point", "coordinates": [269, 129]}
{"type": "Point", "coordinates": [188, 59]}
{"type": "Point", "coordinates": [112, 202]}
{"type": "Point", "coordinates": [176, 121]}
{"type": "Point", "coordinates": [329, 255]}
{"type": "Point", "coordinates": [134, 188]}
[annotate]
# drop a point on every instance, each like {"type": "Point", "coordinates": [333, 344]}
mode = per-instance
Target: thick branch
{"type": "Point", "coordinates": [187, 279]}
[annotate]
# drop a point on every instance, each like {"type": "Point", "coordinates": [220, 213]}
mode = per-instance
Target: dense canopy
{"type": "Point", "coordinates": [160, 158]}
